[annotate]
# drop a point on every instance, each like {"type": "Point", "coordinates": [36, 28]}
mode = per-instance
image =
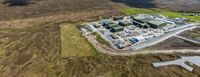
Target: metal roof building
{"type": "Point", "coordinates": [144, 20]}
{"type": "Point", "coordinates": [114, 36]}
{"type": "Point", "coordinates": [132, 16]}
{"type": "Point", "coordinates": [138, 18]}
{"type": "Point", "coordinates": [96, 25]}
{"type": "Point", "coordinates": [111, 26]}
{"type": "Point", "coordinates": [124, 23]}
{"type": "Point", "coordinates": [156, 24]}
{"type": "Point", "coordinates": [118, 18]}
{"type": "Point", "coordinates": [117, 28]}
{"type": "Point", "coordinates": [108, 22]}
{"type": "Point", "coordinates": [145, 25]}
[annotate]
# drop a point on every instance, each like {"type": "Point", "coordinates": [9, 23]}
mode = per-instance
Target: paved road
{"type": "Point", "coordinates": [192, 59]}
{"type": "Point", "coordinates": [186, 39]}
{"type": "Point", "coordinates": [161, 38]}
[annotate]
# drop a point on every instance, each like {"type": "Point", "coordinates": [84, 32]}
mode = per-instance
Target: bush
{"type": "Point", "coordinates": [94, 33]}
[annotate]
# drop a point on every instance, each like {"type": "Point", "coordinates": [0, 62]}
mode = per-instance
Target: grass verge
{"type": "Point", "coordinates": [94, 33]}
{"type": "Point", "coordinates": [101, 40]}
{"type": "Point", "coordinates": [157, 11]}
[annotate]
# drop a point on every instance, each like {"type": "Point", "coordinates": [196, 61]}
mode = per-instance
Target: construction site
{"type": "Point", "coordinates": [136, 31]}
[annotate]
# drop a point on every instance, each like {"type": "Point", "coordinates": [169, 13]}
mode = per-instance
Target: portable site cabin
{"type": "Point", "coordinates": [111, 26]}
{"type": "Point", "coordinates": [117, 28]}
{"type": "Point", "coordinates": [124, 23]}
{"type": "Point", "coordinates": [156, 24]}
{"type": "Point", "coordinates": [118, 18]}
{"type": "Point", "coordinates": [96, 25]}
{"type": "Point", "coordinates": [108, 22]}
{"type": "Point", "coordinates": [177, 19]}
{"type": "Point", "coordinates": [185, 14]}
{"type": "Point", "coordinates": [183, 18]}
{"type": "Point", "coordinates": [114, 36]}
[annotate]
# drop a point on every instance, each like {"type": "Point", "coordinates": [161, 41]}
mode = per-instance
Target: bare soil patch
{"type": "Point", "coordinates": [172, 43]}
{"type": "Point", "coordinates": [195, 33]}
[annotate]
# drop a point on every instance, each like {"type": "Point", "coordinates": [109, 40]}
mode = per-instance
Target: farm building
{"type": "Point", "coordinates": [117, 28]}
{"type": "Point", "coordinates": [111, 26]}
{"type": "Point", "coordinates": [108, 22]}
{"type": "Point", "coordinates": [124, 23]}
{"type": "Point", "coordinates": [114, 36]}
{"type": "Point", "coordinates": [156, 24]}
{"type": "Point", "coordinates": [118, 18]}
{"type": "Point", "coordinates": [96, 25]}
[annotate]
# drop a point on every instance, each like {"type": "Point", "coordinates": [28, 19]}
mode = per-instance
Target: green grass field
{"type": "Point", "coordinates": [197, 18]}
{"type": "Point", "coordinates": [94, 33]}
{"type": "Point", "coordinates": [161, 12]}
{"type": "Point", "coordinates": [101, 40]}
{"type": "Point", "coordinates": [73, 43]}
